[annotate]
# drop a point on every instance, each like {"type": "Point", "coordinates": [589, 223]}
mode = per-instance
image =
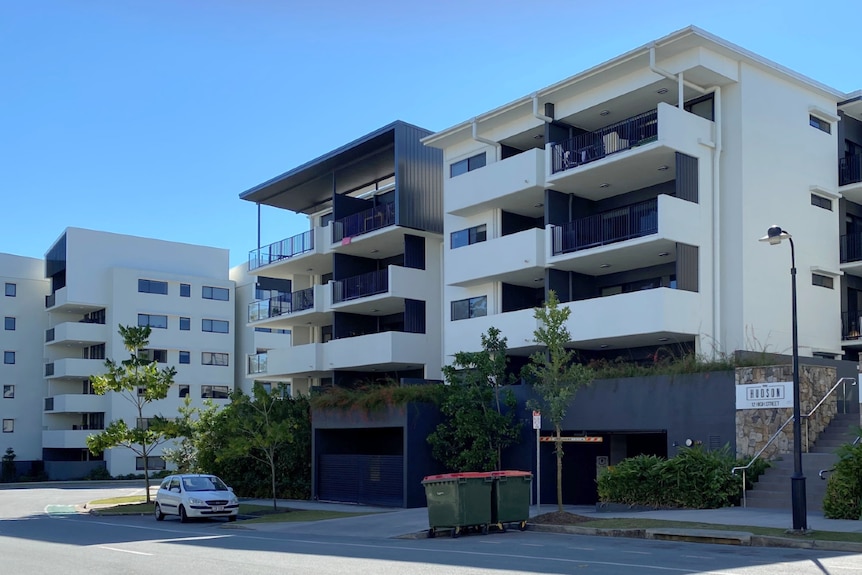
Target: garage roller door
{"type": "Point", "coordinates": [366, 479]}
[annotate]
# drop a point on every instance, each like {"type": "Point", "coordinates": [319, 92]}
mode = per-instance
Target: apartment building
{"type": "Point", "coordinates": [637, 191]}
{"type": "Point", "coordinates": [100, 280]}
{"type": "Point", "coordinates": [850, 220]}
{"type": "Point", "coordinates": [21, 340]}
{"type": "Point", "coordinates": [364, 299]}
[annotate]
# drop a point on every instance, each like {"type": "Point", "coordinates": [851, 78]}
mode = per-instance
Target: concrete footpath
{"type": "Point", "coordinates": [413, 523]}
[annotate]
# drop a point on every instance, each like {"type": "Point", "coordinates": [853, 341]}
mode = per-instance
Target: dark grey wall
{"type": "Point", "coordinates": [686, 178]}
{"type": "Point", "coordinates": [418, 180]}
{"type": "Point", "coordinates": [848, 129]}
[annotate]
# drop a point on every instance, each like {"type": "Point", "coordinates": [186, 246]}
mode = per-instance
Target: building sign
{"type": "Point", "coordinates": [772, 395]}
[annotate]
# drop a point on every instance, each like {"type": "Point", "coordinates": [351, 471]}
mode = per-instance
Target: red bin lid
{"type": "Point", "coordinates": [462, 475]}
{"type": "Point", "coordinates": [511, 474]}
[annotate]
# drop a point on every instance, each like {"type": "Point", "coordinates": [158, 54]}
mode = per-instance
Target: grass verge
{"type": "Point", "coordinates": [135, 505]}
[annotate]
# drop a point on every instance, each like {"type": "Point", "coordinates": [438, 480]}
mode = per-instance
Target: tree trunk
{"type": "Point", "coordinates": [272, 476]}
{"type": "Point", "coordinates": [146, 471]}
{"type": "Point", "coordinates": [559, 450]}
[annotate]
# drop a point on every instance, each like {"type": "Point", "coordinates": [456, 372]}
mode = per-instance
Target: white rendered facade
{"type": "Point", "coordinates": [637, 190]}
{"type": "Point", "coordinates": [21, 304]}
{"type": "Point", "coordinates": [102, 280]}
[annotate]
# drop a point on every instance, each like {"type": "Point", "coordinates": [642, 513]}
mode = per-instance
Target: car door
{"type": "Point", "coordinates": [172, 496]}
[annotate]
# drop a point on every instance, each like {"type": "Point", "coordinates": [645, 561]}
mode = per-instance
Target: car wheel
{"type": "Point", "coordinates": [183, 517]}
{"type": "Point", "coordinates": [231, 518]}
{"type": "Point", "coordinates": [158, 513]}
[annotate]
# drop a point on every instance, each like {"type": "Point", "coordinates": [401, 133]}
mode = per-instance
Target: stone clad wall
{"type": "Point", "coordinates": [754, 427]}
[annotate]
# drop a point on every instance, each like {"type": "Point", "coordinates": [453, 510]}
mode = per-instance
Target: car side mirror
{"type": "Point", "coordinates": [229, 488]}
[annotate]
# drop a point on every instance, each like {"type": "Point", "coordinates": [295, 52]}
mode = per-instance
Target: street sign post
{"type": "Point", "coordinates": [537, 425]}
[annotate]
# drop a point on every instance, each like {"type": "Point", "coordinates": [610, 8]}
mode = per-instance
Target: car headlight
{"type": "Point", "coordinates": [233, 500]}
{"type": "Point", "coordinates": [195, 501]}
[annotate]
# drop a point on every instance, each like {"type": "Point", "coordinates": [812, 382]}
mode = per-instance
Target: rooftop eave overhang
{"type": "Point", "coordinates": [852, 106]}
{"type": "Point", "coordinates": [463, 130]}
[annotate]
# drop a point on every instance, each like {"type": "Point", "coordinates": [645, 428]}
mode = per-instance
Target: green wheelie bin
{"type": "Point", "coordinates": [458, 501]}
{"type": "Point", "coordinates": [510, 499]}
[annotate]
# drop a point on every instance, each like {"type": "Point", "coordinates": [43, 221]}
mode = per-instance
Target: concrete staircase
{"type": "Point", "coordinates": [773, 488]}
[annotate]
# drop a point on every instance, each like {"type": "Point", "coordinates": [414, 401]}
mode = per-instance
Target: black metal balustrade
{"type": "Point", "coordinates": [49, 335]}
{"type": "Point", "coordinates": [585, 148]}
{"type": "Point", "coordinates": [850, 326]}
{"type": "Point", "coordinates": [49, 369]}
{"type": "Point", "coordinates": [363, 222]}
{"type": "Point", "coordinates": [633, 221]}
{"type": "Point", "coordinates": [850, 170]}
{"type": "Point", "coordinates": [851, 247]}
{"type": "Point", "coordinates": [363, 285]}
{"type": "Point", "coordinates": [50, 300]}
{"type": "Point", "coordinates": [286, 248]}
{"type": "Point", "coordinates": [49, 404]}
{"type": "Point", "coordinates": [281, 304]}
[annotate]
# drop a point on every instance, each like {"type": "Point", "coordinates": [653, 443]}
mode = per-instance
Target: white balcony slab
{"type": "Point", "coordinates": [515, 184]}
{"type": "Point", "coordinates": [403, 283]}
{"type": "Point", "coordinates": [77, 368]}
{"type": "Point", "coordinates": [79, 403]}
{"type": "Point", "coordinates": [384, 351]}
{"type": "Point", "coordinates": [79, 333]}
{"type": "Point", "coordinates": [294, 361]}
{"type": "Point", "coordinates": [66, 438]}
{"type": "Point", "coordinates": [316, 259]}
{"type": "Point", "coordinates": [517, 259]}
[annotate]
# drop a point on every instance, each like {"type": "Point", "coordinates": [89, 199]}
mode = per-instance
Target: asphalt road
{"type": "Point", "coordinates": [39, 534]}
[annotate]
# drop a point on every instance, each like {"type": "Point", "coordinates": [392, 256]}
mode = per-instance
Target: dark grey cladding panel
{"type": "Point", "coordinates": [418, 180]}
{"type": "Point", "coordinates": [686, 178]}
{"type": "Point", "coordinates": [687, 267]}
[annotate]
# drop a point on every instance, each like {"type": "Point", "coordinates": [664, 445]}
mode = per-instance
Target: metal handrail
{"type": "Point", "coordinates": [757, 455]}
{"type": "Point", "coordinates": [744, 468]}
{"type": "Point", "coordinates": [831, 469]}
{"type": "Point", "coordinates": [843, 382]}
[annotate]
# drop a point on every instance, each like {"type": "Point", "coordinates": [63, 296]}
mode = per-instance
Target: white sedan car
{"type": "Point", "coordinates": [195, 495]}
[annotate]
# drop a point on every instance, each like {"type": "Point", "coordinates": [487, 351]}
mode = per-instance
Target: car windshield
{"type": "Point", "coordinates": [203, 483]}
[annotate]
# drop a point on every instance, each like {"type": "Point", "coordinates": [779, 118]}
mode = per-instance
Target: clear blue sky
{"type": "Point", "coordinates": [150, 117]}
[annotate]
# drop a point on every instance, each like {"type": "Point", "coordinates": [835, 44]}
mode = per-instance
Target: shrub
{"type": "Point", "coordinates": [97, 474]}
{"type": "Point", "coordinates": [843, 499]}
{"type": "Point", "coordinates": [695, 479]}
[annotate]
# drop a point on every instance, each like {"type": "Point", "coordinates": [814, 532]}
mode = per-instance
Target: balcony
{"type": "Point", "coordinates": [850, 170]}
{"type": "Point", "coordinates": [66, 438]}
{"type": "Point", "coordinates": [630, 237]}
{"type": "Point", "coordinates": [850, 247]}
{"type": "Point", "coordinates": [512, 184]}
{"type": "Point", "coordinates": [75, 368]}
{"type": "Point", "coordinates": [381, 292]}
{"type": "Point", "coordinates": [363, 222]}
{"type": "Point", "coordinates": [294, 255]}
{"type": "Point", "coordinates": [308, 306]}
{"type": "Point", "coordinates": [77, 334]}
{"type": "Point", "coordinates": [481, 262]}
{"type": "Point", "coordinates": [588, 164]}
{"type": "Point", "coordinates": [381, 351]}
{"type": "Point", "coordinates": [60, 301]}
{"type": "Point", "coordinates": [76, 403]}
{"type": "Point", "coordinates": [296, 361]}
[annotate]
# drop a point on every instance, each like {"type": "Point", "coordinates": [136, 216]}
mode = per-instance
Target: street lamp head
{"type": "Point", "coordinates": [774, 235]}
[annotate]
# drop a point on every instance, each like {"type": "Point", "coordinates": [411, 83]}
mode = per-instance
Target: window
{"type": "Point", "coordinates": [8, 425]}
{"type": "Point", "coordinates": [703, 107]}
{"type": "Point", "coordinates": [215, 326]}
{"type": "Point", "coordinates": [8, 392]}
{"type": "Point", "coordinates": [9, 357]}
{"type": "Point", "coordinates": [270, 330]}
{"type": "Point", "coordinates": [94, 351]}
{"type": "Point", "coordinates": [11, 290]}
{"type": "Point", "coordinates": [142, 391]}
{"type": "Point", "coordinates": [10, 324]}
{"type": "Point", "coordinates": [184, 390]}
{"type": "Point", "coordinates": [468, 165]}
{"type": "Point", "coordinates": [221, 294]}
{"type": "Point", "coordinates": [821, 202]}
{"type": "Point", "coordinates": [469, 308]}
{"type": "Point", "coordinates": [211, 358]}
{"type": "Point", "coordinates": [154, 463]}
{"type": "Point", "coordinates": [153, 286]}
{"type": "Point", "coordinates": [157, 355]}
{"type": "Point", "coordinates": [185, 290]}
{"type": "Point", "coordinates": [185, 324]}
{"type": "Point", "coordinates": [469, 236]}
{"type": "Point", "coordinates": [185, 357]}
{"type": "Point", "coordinates": [819, 123]}
{"type": "Point", "coordinates": [215, 392]}
{"type": "Point", "coordinates": [822, 281]}
{"type": "Point", "coordinates": [154, 321]}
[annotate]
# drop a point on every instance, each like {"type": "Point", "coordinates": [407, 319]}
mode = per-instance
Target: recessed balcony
{"type": "Point", "coordinates": [517, 258]}
{"type": "Point", "coordinates": [61, 301]}
{"type": "Point", "coordinates": [79, 334]}
{"type": "Point", "coordinates": [66, 438]}
{"type": "Point", "coordinates": [589, 164]}
{"type": "Point", "coordinates": [514, 184]}
{"type": "Point", "coordinates": [308, 306]}
{"type": "Point", "coordinates": [850, 177]}
{"type": "Point", "coordinates": [76, 403]}
{"type": "Point", "coordinates": [634, 236]}
{"type": "Point", "coordinates": [302, 254]}
{"type": "Point", "coordinates": [74, 367]}
{"type": "Point", "coordinates": [381, 292]}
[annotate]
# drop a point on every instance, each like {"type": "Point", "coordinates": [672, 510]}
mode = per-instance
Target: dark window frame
{"type": "Point", "coordinates": [8, 425]}
{"type": "Point", "coordinates": [215, 357]}
{"type": "Point", "coordinates": [9, 358]}
{"type": "Point", "coordinates": [215, 391]}
{"type": "Point", "coordinates": [185, 324]}
{"type": "Point", "coordinates": [213, 293]}
{"type": "Point", "coordinates": [185, 357]}
{"type": "Point", "coordinates": [184, 390]}
{"type": "Point", "coordinates": [819, 123]}
{"type": "Point", "coordinates": [185, 290]}
{"type": "Point", "coordinates": [470, 307]}
{"type": "Point", "coordinates": [468, 236]}
{"type": "Point", "coordinates": [149, 320]}
{"type": "Point", "coordinates": [11, 289]}
{"type": "Point", "coordinates": [822, 280]}
{"type": "Point", "coordinates": [8, 391]}
{"type": "Point", "coordinates": [468, 164]}
{"type": "Point", "coordinates": [210, 325]}
{"type": "Point", "coordinates": [821, 202]}
{"type": "Point", "coordinates": [9, 321]}
{"type": "Point", "coordinates": [157, 287]}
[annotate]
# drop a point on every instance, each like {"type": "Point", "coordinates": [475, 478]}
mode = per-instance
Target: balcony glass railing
{"type": "Point", "coordinates": [50, 300]}
{"type": "Point", "coordinates": [257, 363]}
{"type": "Point", "coordinates": [363, 285]}
{"type": "Point", "coordinates": [591, 146]}
{"type": "Point", "coordinates": [850, 170]}
{"type": "Point", "coordinates": [281, 305]}
{"type": "Point", "coordinates": [364, 222]}
{"type": "Point", "coordinates": [609, 227]}
{"type": "Point", "coordinates": [287, 248]}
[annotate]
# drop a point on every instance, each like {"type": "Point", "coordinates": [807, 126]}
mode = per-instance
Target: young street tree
{"type": "Point", "coordinates": [479, 416]}
{"type": "Point", "coordinates": [555, 374]}
{"type": "Point", "coordinates": [260, 428]}
{"type": "Point", "coordinates": [140, 382]}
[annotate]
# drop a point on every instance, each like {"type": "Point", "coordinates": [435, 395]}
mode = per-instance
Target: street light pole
{"type": "Point", "coordinates": [797, 481]}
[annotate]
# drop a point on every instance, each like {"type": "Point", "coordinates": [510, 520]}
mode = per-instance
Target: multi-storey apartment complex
{"type": "Point", "coordinates": [364, 301]}
{"type": "Point", "coordinates": [99, 281]}
{"type": "Point", "coordinates": [637, 191]}
{"type": "Point", "coordinates": [21, 305]}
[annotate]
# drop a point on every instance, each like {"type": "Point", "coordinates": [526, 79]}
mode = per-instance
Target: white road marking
{"type": "Point", "coordinates": [123, 550]}
{"type": "Point", "coordinates": [177, 539]}
{"type": "Point", "coordinates": [583, 548]}
{"type": "Point", "coordinates": [696, 557]}
{"type": "Point", "coordinates": [636, 552]}
{"type": "Point", "coordinates": [531, 545]}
